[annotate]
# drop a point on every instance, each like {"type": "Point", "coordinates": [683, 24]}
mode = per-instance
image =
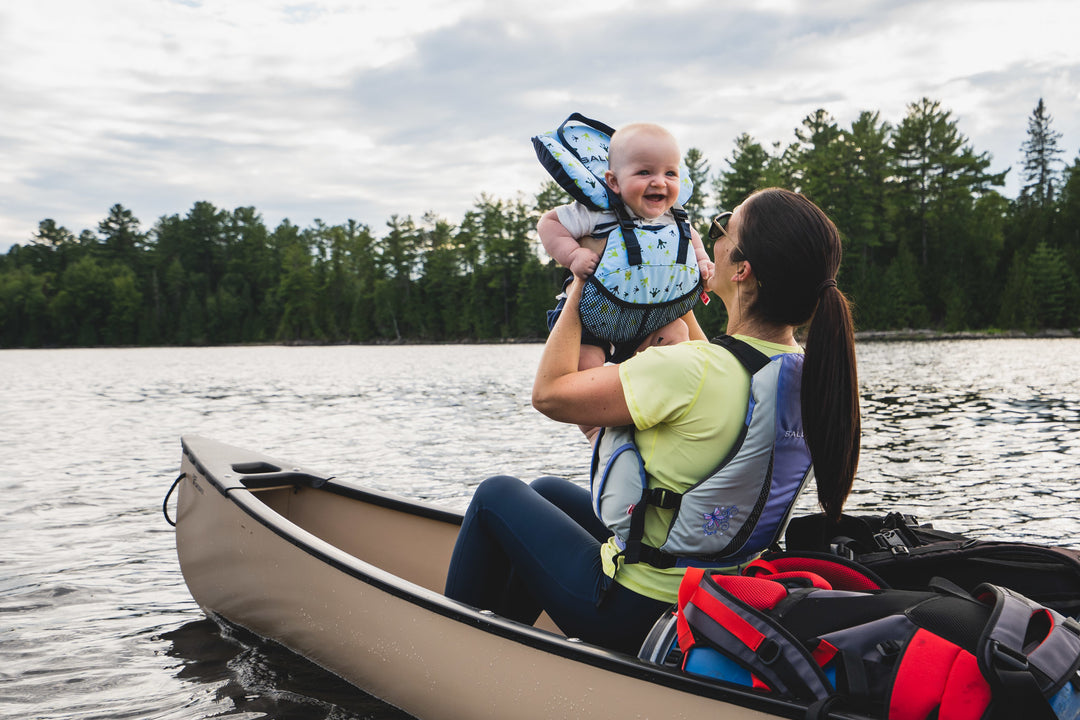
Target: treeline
{"type": "Point", "coordinates": [929, 241]}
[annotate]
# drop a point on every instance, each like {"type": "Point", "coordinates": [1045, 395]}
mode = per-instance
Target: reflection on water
{"type": "Point", "coordinates": [980, 435]}
{"type": "Point", "coordinates": [95, 620]}
{"type": "Point", "coordinates": [262, 679]}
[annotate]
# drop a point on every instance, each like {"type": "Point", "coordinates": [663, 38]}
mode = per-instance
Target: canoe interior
{"type": "Point", "coordinates": [413, 547]}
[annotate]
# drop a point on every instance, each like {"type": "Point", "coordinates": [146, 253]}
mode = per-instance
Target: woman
{"type": "Point", "coordinates": [526, 548]}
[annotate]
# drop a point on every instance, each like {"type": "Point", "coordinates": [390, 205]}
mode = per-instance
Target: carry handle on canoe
{"type": "Point", "coordinates": [258, 475]}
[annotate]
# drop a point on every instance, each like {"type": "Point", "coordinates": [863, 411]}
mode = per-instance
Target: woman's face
{"type": "Point", "coordinates": [722, 249]}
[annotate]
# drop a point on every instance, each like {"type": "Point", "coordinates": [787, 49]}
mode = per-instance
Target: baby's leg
{"type": "Point", "coordinates": [674, 332]}
{"type": "Point", "coordinates": [591, 356]}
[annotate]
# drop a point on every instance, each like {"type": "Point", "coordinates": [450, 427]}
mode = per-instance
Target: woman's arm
{"type": "Point", "coordinates": [696, 333]}
{"type": "Point", "coordinates": [561, 391]}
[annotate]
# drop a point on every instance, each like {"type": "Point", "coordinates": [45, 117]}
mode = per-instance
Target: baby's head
{"type": "Point", "coordinates": [643, 169]}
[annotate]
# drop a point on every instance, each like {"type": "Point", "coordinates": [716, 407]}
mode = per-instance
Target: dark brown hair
{"type": "Point", "coordinates": [794, 250]}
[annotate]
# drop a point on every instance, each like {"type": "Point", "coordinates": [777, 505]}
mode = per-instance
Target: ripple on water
{"type": "Point", "coordinates": [95, 620]}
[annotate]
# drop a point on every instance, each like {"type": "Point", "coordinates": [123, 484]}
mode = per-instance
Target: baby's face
{"type": "Point", "coordinates": [645, 173]}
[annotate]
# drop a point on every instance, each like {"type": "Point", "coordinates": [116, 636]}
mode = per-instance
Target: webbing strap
{"type": "Point", "coordinates": [626, 226]}
{"type": "Point", "coordinates": [732, 621]}
{"type": "Point", "coordinates": [751, 358]}
{"type": "Point", "coordinates": [683, 221]}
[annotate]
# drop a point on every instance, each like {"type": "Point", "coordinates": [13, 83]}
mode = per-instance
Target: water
{"type": "Point", "coordinates": [95, 620]}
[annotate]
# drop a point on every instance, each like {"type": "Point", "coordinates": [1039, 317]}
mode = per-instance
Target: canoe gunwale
{"type": "Point", "coordinates": [568, 648]}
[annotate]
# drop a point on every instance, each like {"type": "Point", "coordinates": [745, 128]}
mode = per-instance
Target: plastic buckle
{"type": "Point", "coordinates": [892, 541]}
{"type": "Point", "coordinates": [1007, 656]}
{"type": "Point", "coordinates": [842, 549]}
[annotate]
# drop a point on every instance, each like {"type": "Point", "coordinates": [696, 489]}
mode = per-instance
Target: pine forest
{"type": "Point", "coordinates": [930, 242]}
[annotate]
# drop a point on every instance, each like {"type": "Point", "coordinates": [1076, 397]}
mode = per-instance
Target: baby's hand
{"type": "Point", "coordinates": [583, 262]}
{"type": "Point", "coordinates": [707, 269]}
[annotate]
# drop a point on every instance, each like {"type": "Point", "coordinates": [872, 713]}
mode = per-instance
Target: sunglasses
{"type": "Point", "coordinates": [718, 229]}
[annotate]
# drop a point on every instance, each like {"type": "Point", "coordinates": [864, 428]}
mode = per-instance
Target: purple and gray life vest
{"type": "Point", "coordinates": [738, 510]}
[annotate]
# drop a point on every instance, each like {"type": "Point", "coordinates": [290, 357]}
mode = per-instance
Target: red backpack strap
{"type": "Point", "coordinates": [839, 573]}
{"type": "Point", "coordinates": [689, 585]}
{"type": "Point", "coordinates": [730, 613]}
{"type": "Point", "coordinates": [935, 674]}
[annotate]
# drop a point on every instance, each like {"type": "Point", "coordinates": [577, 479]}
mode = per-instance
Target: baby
{"type": "Point", "coordinates": [643, 170]}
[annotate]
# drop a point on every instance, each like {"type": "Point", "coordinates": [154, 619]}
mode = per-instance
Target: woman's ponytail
{"type": "Point", "coordinates": [795, 251]}
{"type": "Point", "coordinates": [830, 400]}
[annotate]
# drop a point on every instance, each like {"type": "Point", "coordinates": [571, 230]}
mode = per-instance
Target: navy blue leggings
{"type": "Point", "coordinates": [526, 548]}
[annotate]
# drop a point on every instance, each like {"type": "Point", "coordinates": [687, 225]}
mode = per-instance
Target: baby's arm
{"type": "Point", "coordinates": [703, 261]}
{"type": "Point", "coordinates": [564, 247]}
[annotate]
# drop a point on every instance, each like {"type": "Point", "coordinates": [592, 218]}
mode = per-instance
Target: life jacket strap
{"type": "Point", "coordinates": [627, 227]}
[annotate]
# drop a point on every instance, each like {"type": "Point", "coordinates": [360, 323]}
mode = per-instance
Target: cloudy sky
{"type": "Point", "coordinates": [350, 109]}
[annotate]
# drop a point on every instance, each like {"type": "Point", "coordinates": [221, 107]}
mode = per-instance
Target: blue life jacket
{"type": "Point", "coordinates": [648, 275]}
{"type": "Point", "coordinates": [737, 511]}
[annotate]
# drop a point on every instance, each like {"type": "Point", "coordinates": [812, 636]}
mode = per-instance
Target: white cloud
{"type": "Point", "coordinates": [344, 109]}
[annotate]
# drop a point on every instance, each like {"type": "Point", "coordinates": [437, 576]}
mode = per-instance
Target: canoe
{"type": "Point", "coordinates": [352, 578]}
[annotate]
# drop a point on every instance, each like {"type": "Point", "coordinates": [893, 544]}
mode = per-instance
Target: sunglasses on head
{"type": "Point", "coordinates": [718, 229]}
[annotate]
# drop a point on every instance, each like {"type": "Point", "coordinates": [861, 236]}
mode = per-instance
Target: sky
{"type": "Point", "coordinates": [349, 109]}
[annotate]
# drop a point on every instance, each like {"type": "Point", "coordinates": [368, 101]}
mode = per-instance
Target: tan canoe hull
{"type": "Point", "coordinates": [352, 580]}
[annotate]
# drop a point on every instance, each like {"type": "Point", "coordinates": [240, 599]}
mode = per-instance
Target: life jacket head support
{"type": "Point", "coordinates": [648, 275]}
{"type": "Point", "coordinates": [575, 154]}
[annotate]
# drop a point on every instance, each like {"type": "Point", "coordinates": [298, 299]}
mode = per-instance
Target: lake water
{"type": "Point", "coordinates": [980, 436]}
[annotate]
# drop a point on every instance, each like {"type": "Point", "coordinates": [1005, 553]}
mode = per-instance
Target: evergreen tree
{"type": "Point", "coordinates": [122, 239]}
{"type": "Point", "coordinates": [1052, 279]}
{"type": "Point", "coordinates": [698, 169]}
{"type": "Point", "coordinates": [748, 170]}
{"type": "Point", "coordinates": [1041, 158]}
{"type": "Point", "coordinates": [868, 217]}
{"type": "Point", "coordinates": [1017, 298]}
{"type": "Point", "coordinates": [551, 195]}
{"type": "Point", "coordinates": [937, 166]}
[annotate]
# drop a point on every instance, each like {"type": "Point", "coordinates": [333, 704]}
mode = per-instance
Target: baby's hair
{"type": "Point", "coordinates": [627, 133]}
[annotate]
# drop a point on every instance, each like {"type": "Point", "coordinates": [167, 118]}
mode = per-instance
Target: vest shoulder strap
{"type": "Point", "coordinates": [751, 358]}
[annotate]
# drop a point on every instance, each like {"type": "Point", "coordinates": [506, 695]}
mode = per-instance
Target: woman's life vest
{"type": "Point", "coordinates": [648, 275]}
{"type": "Point", "coordinates": [738, 510]}
{"type": "Point", "coordinates": [940, 653]}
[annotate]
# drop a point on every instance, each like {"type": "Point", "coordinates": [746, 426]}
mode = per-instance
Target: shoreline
{"type": "Point", "coordinates": [912, 335]}
{"type": "Point", "coordinates": [861, 336]}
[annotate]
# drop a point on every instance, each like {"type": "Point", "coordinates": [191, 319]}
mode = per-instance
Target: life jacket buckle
{"type": "Point", "coordinates": [1008, 657]}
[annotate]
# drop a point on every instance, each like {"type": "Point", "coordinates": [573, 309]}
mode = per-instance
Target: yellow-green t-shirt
{"type": "Point", "coordinates": [688, 402]}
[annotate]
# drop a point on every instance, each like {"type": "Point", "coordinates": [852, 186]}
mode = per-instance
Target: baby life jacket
{"type": "Point", "coordinates": [648, 276]}
{"type": "Point", "coordinates": [938, 654]}
{"type": "Point", "coordinates": [739, 509]}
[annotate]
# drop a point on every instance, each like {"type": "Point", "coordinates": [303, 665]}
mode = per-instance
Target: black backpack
{"type": "Point", "coordinates": [827, 637]}
{"type": "Point", "coordinates": [907, 554]}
